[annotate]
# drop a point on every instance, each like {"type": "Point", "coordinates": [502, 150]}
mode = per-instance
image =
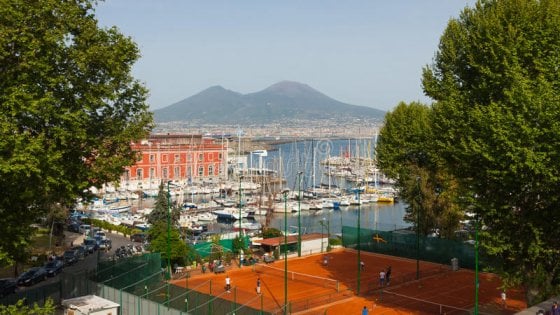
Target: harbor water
{"type": "Point", "coordinates": [303, 158]}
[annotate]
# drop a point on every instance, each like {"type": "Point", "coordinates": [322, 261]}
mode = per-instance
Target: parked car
{"type": "Point", "coordinates": [105, 244]}
{"type": "Point", "coordinates": [138, 237]}
{"type": "Point", "coordinates": [7, 286]}
{"type": "Point", "coordinates": [54, 267]}
{"type": "Point", "coordinates": [32, 276]}
{"type": "Point", "coordinates": [70, 257]}
{"type": "Point", "coordinates": [268, 259]}
{"type": "Point", "coordinates": [85, 228]}
{"type": "Point", "coordinates": [220, 269]}
{"type": "Point", "coordinates": [100, 234]}
{"type": "Point", "coordinates": [74, 227]}
{"type": "Point", "coordinates": [90, 244]}
{"type": "Point", "coordinates": [82, 251]}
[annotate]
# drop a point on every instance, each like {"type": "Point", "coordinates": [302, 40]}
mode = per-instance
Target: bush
{"type": "Point", "coordinates": [271, 232]}
{"type": "Point", "coordinates": [335, 241]}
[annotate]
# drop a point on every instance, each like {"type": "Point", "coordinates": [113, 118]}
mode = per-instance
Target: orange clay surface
{"type": "Point", "coordinates": [437, 284]}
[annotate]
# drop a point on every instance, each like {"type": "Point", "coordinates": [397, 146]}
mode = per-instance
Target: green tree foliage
{"type": "Point", "coordinates": [161, 208]}
{"type": "Point", "coordinates": [238, 244]}
{"type": "Point", "coordinates": [158, 243]}
{"type": "Point", "coordinates": [405, 152]}
{"type": "Point", "coordinates": [21, 309]}
{"type": "Point", "coordinates": [271, 232]}
{"type": "Point", "coordinates": [69, 109]}
{"type": "Point", "coordinates": [496, 84]}
{"type": "Point", "coordinates": [217, 250]}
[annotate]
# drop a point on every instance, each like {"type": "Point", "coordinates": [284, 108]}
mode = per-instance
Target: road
{"type": "Point", "coordinates": [89, 262]}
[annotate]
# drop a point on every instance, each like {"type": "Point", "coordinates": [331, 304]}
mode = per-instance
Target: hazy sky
{"type": "Point", "coordinates": [361, 52]}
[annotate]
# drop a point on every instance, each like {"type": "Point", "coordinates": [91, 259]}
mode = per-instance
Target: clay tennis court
{"type": "Point", "coordinates": [308, 295]}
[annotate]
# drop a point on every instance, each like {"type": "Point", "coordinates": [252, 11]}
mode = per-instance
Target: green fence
{"type": "Point", "coordinates": [404, 243]}
{"type": "Point", "coordinates": [205, 249]}
{"type": "Point", "coordinates": [138, 284]}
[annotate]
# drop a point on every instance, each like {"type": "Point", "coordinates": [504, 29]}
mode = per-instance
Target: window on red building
{"type": "Point", "coordinates": [152, 158]}
{"type": "Point", "coordinates": [177, 158]}
{"type": "Point", "coordinates": [164, 173]}
{"type": "Point", "coordinates": [220, 156]}
{"type": "Point", "coordinates": [152, 172]}
{"type": "Point", "coordinates": [177, 172]}
{"type": "Point", "coordinates": [139, 174]}
{"type": "Point", "coordinates": [200, 157]}
{"type": "Point", "coordinates": [164, 158]}
{"type": "Point", "coordinates": [210, 170]}
{"type": "Point", "coordinates": [201, 171]}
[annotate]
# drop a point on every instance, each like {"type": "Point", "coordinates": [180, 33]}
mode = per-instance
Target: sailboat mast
{"type": "Point", "coordinates": [313, 163]}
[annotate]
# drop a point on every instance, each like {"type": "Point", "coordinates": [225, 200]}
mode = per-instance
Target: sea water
{"type": "Point", "coordinates": [302, 158]}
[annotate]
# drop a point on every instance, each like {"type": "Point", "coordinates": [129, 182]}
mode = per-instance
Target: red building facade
{"type": "Point", "coordinates": [178, 158]}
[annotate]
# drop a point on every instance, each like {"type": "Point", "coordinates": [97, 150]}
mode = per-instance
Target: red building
{"type": "Point", "coordinates": [178, 157]}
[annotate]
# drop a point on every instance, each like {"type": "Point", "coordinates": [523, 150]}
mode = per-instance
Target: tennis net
{"type": "Point", "coordinates": [410, 277]}
{"type": "Point", "coordinates": [397, 300]}
{"type": "Point", "coordinates": [296, 276]}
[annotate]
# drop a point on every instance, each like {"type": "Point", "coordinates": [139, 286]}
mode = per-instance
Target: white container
{"type": "Point", "coordinates": [90, 305]}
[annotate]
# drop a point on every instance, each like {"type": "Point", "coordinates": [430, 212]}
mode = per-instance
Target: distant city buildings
{"type": "Point", "coordinates": [178, 158]}
{"type": "Point", "coordinates": [293, 128]}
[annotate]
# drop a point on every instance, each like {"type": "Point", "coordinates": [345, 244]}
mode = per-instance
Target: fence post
{"type": "Point", "coordinates": [211, 301]}
{"type": "Point", "coordinates": [120, 299]}
{"type": "Point", "coordinates": [234, 305]}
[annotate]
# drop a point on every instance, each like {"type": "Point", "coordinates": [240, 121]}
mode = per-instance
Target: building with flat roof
{"type": "Point", "coordinates": [312, 243]}
{"type": "Point", "coordinates": [90, 305]}
{"type": "Point", "coordinates": [178, 158]}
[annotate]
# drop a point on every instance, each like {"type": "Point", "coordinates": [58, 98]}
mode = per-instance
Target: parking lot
{"type": "Point", "coordinates": [85, 262]}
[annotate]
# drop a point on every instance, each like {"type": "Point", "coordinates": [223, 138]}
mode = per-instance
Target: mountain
{"type": "Point", "coordinates": [282, 101]}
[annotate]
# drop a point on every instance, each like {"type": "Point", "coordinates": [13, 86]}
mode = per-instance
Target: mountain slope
{"type": "Point", "coordinates": [281, 101]}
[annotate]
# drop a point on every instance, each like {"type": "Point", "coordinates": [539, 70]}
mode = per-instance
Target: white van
{"type": "Point", "coordinates": [100, 235]}
{"type": "Point", "coordinates": [85, 228]}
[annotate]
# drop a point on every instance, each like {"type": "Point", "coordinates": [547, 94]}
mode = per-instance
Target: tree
{"type": "Point", "coordinates": [271, 232]}
{"type": "Point", "coordinates": [405, 152]}
{"type": "Point", "coordinates": [69, 109]}
{"type": "Point", "coordinates": [20, 309]}
{"type": "Point", "coordinates": [496, 84]}
{"type": "Point", "coordinates": [239, 244]}
{"type": "Point", "coordinates": [161, 208]}
{"type": "Point", "coordinates": [158, 243]}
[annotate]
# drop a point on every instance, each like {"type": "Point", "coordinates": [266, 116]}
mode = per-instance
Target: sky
{"type": "Point", "coordinates": [360, 52]}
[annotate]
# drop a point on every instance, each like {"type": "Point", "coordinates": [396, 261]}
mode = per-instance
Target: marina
{"type": "Point", "coordinates": [321, 184]}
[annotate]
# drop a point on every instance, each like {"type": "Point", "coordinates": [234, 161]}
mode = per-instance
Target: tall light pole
{"type": "Point", "coordinates": [476, 265]}
{"type": "Point", "coordinates": [240, 193]}
{"type": "Point", "coordinates": [322, 226]}
{"type": "Point", "coordinates": [168, 238]}
{"type": "Point", "coordinates": [418, 206]}
{"type": "Point", "coordinates": [299, 215]}
{"type": "Point", "coordinates": [328, 231]}
{"type": "Point", "coordinates": [323, 222]}
{"type": "Point", "coordinates": [285, 193]}
{"type": "Point", "coordinates": [358, 242]}
{"type": "Point", "coordinates": [168, 231]}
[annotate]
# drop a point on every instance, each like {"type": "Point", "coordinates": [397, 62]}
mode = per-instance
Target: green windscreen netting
{"type": "Point", "coordinates": [143, 277]}
{"type": "Point", "coordinates": [133, 274]}
{"type": "Point", "coordinates": [404, 243]}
